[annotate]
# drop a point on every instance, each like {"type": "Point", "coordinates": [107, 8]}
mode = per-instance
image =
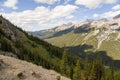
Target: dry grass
{"type": "Point", "coordinates": [17, 69]}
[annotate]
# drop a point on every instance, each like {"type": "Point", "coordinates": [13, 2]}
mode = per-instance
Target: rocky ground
{"type": "Point", "coordinates": [14, 69]}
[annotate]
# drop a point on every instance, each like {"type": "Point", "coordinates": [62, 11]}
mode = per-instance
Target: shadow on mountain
{"type": "Point", "coordinates": [62, 32]}
{"type": "Point", "coordinates": [83, 29]}
{"type": "Point", "coordinates": [81, 51]}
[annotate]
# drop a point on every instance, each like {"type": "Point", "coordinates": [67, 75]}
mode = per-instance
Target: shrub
{"type": "Point", "coordinates": [20, 75]}
{"type": "Point", "coordinates": [33, 73]}
{"type": "Point", "coordinates": [58, 78]}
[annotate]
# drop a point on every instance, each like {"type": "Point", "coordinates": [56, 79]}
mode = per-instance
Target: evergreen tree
{"type": "Point", "coordinates": [96, 72]}
{"type": "Point", "coordinates": [64, 63]}
{"type": "Point", "coordinates": [112, 72]}
{"type": "Point", "coordinates": [86, 66]}
{"type": "Point", "coordinates": [69, 72]}
{"type": "Point", "coordinates": [77, 73]}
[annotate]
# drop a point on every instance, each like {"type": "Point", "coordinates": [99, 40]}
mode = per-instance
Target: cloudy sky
{"type": "Point", "coordinates": [35, 15]}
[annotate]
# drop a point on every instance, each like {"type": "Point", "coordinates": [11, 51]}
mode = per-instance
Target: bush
{"type": "Point", "coordinates": [33, 73]}
{"type": "Point", "coordinates": [58, 78]}
{"type": "Point", "coordinates": [20, 75]}
{"type": "Point", "coordinates": [36, 75]}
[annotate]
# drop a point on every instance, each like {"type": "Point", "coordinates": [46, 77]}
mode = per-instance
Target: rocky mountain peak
{"type": "Point", "coordinates": [117, 16]}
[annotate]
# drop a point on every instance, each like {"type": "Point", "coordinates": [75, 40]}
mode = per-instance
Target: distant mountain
{"type": "Point", "coordinates": [63, 29]}
{"type": "Point", "coordinates": [51, 32]}
{"type": "Point", "coordinates": [101, 34]}
{"type": "Point", "coordinates": [118, 16]}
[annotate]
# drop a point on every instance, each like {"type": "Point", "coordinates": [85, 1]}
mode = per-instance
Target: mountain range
{"type": "Point", "coordinates": [101, 35]}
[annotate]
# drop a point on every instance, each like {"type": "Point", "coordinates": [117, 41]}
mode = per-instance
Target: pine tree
{"type": "Point", "coordinates": [69, 72]}
{"type": "Point", "coordinates": [112, 72]}
{"type": "Point", "coordinates": [76, 75]}
{"type": "Point", "coordinates": [93, 73]}
{"type": "Point", "coordinates": [86, 66]}
{"type": "Point", "coordinates": [97, 71]}
{"type": "Point", "coordinates": [64, 63]}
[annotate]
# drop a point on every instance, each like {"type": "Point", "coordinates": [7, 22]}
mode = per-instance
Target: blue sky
{"type": "Point", "coordinates": [35, 15]}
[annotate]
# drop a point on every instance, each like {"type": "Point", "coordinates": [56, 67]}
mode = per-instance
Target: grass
{"type": "Point", "coordinates": [69, 39]}
{"type": "Point", "coordinates": [112, 46]}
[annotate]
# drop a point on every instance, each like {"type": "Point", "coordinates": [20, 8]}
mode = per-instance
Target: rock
{"type": "Point", "coordinates": [16, 69]}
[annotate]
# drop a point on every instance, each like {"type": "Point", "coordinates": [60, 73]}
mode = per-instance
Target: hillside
{"type": "Point", "coordinates": [17, 43]}
{"type": "Point", "coordinates": [10, 68]}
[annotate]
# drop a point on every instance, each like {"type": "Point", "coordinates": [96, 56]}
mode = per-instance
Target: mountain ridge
{"type": "Point", "coordinates": [98, 33]}
{"type": "Point", "coordinates": [117, 16]}
{"type": "Point", "coordinates": [15, 42]}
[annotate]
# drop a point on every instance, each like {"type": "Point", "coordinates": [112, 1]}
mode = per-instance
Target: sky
{"type": "Point", "coordinates": [35, 15]}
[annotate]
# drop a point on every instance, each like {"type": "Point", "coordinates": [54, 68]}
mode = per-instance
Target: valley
{"type": "Point", "coordinates": [59, 39]}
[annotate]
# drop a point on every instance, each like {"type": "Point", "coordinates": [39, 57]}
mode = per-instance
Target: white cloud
{"type": "Point", "coordinates": [1, 10]}
{"type": "Point", "coordinates": [95, 15]}
{"type": "Point", "coordinates": [109, 14]}
{"type": "Point", "coordinates": [47, 1]}
{"type": "Point", "coordinates": [11, 4]}
{"type": "Point", "coordinates": [41, 17]}
{"type": "Point", "coordinates": [117, 7]}
{"type": "Point", "coordinates": [110, 1]}
{"type": "Point", "coordinates": [63, 11]}
{"type": "Point", "coordinates": [66, 1]}
{"type": "Point", "coordinates": [89, 3]}
{"type": "Point", "coordinates": [70, 17]}
{"type": "Point", "coordinates": [94, 3]}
